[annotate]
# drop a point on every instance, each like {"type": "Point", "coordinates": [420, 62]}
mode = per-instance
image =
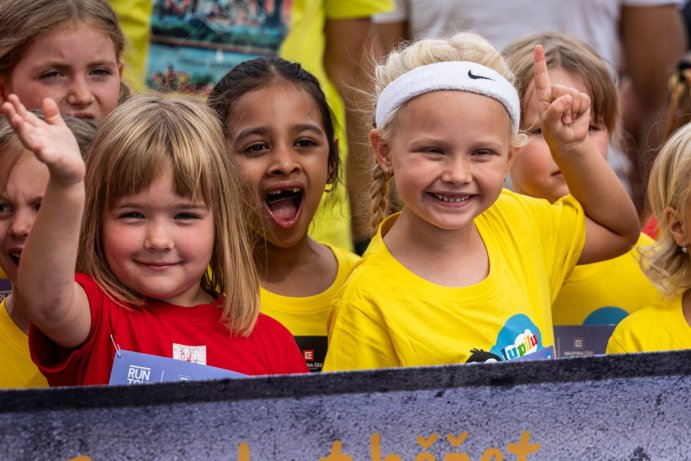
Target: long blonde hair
{"type": "Point", "coordinates": [139, 139]}
{"type": "Point", "coordinates": [464, 46]}
{"type": "Point", "coordinates": [670, 187]}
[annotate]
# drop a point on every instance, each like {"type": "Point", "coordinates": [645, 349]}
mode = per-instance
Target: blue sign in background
{"type": "Point", "coordinates": [634, 407]}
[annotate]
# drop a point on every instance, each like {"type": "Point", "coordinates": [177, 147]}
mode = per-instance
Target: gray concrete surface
{"type": "Point", "coordinates": [634, 407]}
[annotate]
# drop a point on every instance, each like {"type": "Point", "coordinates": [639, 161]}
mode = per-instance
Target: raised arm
{"type": "Point", "coordinates": [45, 279]}
{"type": "Point", "coordinates": [348, 63]}
{"type": "Point", "coordinates": [653, 40]}
{"type": "Point", "coordinates": [612, 226]}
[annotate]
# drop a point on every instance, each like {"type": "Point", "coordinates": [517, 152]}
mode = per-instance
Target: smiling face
{"type": "Point", "coordinates": [279, 145]}
{"type": "Point", "coordinates": [19, 204]}
{"type": "Point", "coordinates": [159, 244]}
{"type": "Point", "coordinates": [534, 172]}
{"type": "Point", "coordinates": [77, 67]}
{"type": "Point", "coordinates": [449, 164]}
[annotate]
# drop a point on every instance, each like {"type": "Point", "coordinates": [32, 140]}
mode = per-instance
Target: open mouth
{"type": "Point", "coordinates": [284, 205]}
{"type": "Point", "coordinates": [14, 256]}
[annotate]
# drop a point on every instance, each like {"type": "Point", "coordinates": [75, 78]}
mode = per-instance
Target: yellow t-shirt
{"type": "Point", "coordinates": [607, 291]}
{"type": "Point", "coordinates": [658, 328]}
{"type": "Point", "coordinates": [305, 317]}
{"type": "Point", "coordinates": [387, 316]}
{"type": "Point", "coordinates": [297, 32]}
{"type": "Point", "coordinates": [18, 371]}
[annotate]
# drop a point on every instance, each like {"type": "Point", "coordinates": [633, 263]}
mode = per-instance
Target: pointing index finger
{"type": "Point", "coordinates": [543, 86]}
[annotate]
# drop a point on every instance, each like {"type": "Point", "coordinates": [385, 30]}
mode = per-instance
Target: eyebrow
{"type": "Point", "coordinates": [176, 205]}
{"type": "Point", "coordinates": [316, 129]}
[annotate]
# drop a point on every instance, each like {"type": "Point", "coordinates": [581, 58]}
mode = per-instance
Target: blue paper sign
{"type": "Point", "coordinates": [543, 354]}
{"type": "Point", "coordinates": [138, 368]}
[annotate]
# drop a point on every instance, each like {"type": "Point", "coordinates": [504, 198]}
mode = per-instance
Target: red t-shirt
{"type": "Point", "coordinates": [188, 333]}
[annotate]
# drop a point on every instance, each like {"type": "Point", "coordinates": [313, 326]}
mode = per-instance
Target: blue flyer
{"type": "Point", "coordinates": [138, 368]}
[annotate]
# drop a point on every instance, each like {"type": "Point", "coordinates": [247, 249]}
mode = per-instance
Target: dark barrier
{"type": "Point", "coordinates": [634, 407]}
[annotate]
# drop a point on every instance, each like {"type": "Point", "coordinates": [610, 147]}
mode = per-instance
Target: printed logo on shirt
{"type": "Point", "coordinates": [607, 315]}
{"type": "Point", "coordinates": [194, 354]}
{"type": "Point", "coordinates": [519, 337]}
{"type": "Point", "coordinates": [313, 349]}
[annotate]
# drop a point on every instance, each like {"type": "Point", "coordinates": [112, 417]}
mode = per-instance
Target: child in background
{"type": "Point", "coordinates": [678, 115]}
{"type": "Point", "coordinates": [68, 51]}
{"type": "Point", "coordinates": [468, 271]}
{"type": "Point", "coordinates": [280, 133]}
{"type": "Point", "coordinates": [160, 206]}
{"type": "Point", "coordinates": [598, 293]}
{"type": "Point", "coordinates": [667, 263]}
{"type": "Point", "coordinates": [23, 181]}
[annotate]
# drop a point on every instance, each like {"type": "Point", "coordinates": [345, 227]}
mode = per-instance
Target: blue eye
{"type": "Point", "coordinates": [187, 216]}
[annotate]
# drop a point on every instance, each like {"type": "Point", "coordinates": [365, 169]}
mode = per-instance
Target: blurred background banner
{"type": "Point", "coordinates": [633, 407]}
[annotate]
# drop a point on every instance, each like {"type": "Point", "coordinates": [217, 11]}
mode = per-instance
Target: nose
{"type": "Point", "coordinates": [457, 170]}
{"type": "Point", "coordinates": [21, 224]}
{"type": "Point", "coordinates": [158, 237]}
{"type": "Point", "coordinates": [80, 94]}
{"type": "Point", "coordinates": [284, 161]}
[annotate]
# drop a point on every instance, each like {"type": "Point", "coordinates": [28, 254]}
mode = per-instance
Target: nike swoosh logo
{"type": "Point", "coordinates": [477, 77]}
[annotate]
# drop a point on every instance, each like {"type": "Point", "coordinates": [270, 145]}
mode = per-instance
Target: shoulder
{"type": "Point", "coordinates": [642, 330]}
{"type": "Point", "coordinates": [345, 259]}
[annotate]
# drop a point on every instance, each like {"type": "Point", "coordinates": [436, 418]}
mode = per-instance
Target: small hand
{"type": "Point", "coordinates": [50, 140]}
{"type": "Point", "coordinates": [564, 112]}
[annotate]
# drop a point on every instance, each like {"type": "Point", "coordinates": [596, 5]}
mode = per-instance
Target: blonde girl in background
{"type": "Point", "coordinates": [468, 271]}
{"type": "Point", "coordinates": [160, 207]}
{"type": "Point", "coordinates": [69, 51]}
{"type": "Point", "coordinates": [597, 293]}
{"type": "Point", "coordinates": [667, 263]}
{"type": "Point", "coordinates": [23, 180]}
{"type": "Point", "coordinates": [280, 134]}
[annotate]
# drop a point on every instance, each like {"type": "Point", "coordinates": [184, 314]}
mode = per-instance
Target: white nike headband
{"type": "Point", "coordinates": [450, 75]}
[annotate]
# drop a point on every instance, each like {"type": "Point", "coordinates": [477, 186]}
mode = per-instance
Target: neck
{"type": "Point", "coordinates": [16, 312]}
{"type": "Point", "coordinates": [686, 306]}
{"type": "Point", "coordinates": [273, 261]}
{"type": "Point", "coordinates": [452, 258]}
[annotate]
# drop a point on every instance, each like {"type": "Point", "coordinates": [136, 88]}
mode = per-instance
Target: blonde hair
{"type": "Point", "coordinates": [464, 46]}
{"type": "Point", "coordinates": [670, 187]}
{"type": "Point", "coordinates": [563, 51]}
{"type": "Point", "coordinates": [12, 150]}
{"type": "Point", "coordinates": [139, 139]}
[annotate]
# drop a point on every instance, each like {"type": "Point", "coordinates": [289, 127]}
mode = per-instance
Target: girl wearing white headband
{"type": "Point", "coordinates": [467, 271]}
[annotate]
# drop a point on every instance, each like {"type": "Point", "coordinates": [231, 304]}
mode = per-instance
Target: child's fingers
{"type": "Point", "coordinates": [543, 86]}
{"type": "Point", "coordinates": [559, 112]}
{"type": "Point", "coordinates": [51, 113]}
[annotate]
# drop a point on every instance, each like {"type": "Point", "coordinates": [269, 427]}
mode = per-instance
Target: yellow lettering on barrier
{"type": "Point", "coordinates": [80, 458]}
{"type": "Point", "coordinates": [335, 453]}
{"type": "Point", "coordinates": [523, 448]}
{"type": "Point", "coordinates": [244, 452]}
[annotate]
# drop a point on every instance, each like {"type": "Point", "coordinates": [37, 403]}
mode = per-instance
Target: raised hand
{"type": "Point", "coordinates": [51, 140]}
{"type": "Point", "coordinates": [564, 112]}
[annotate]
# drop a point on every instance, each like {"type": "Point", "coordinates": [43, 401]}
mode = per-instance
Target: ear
{"type": "Point", "coordinates": [381, 150]}
{"type": "Point", "coordinates": [676, 226]}
{"type": "Point", "coordinates": [333, 163]}
{"type": "Point", "coordinates": [121, 67]}
{"type": "Point", "coordinates": [513, 153]}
